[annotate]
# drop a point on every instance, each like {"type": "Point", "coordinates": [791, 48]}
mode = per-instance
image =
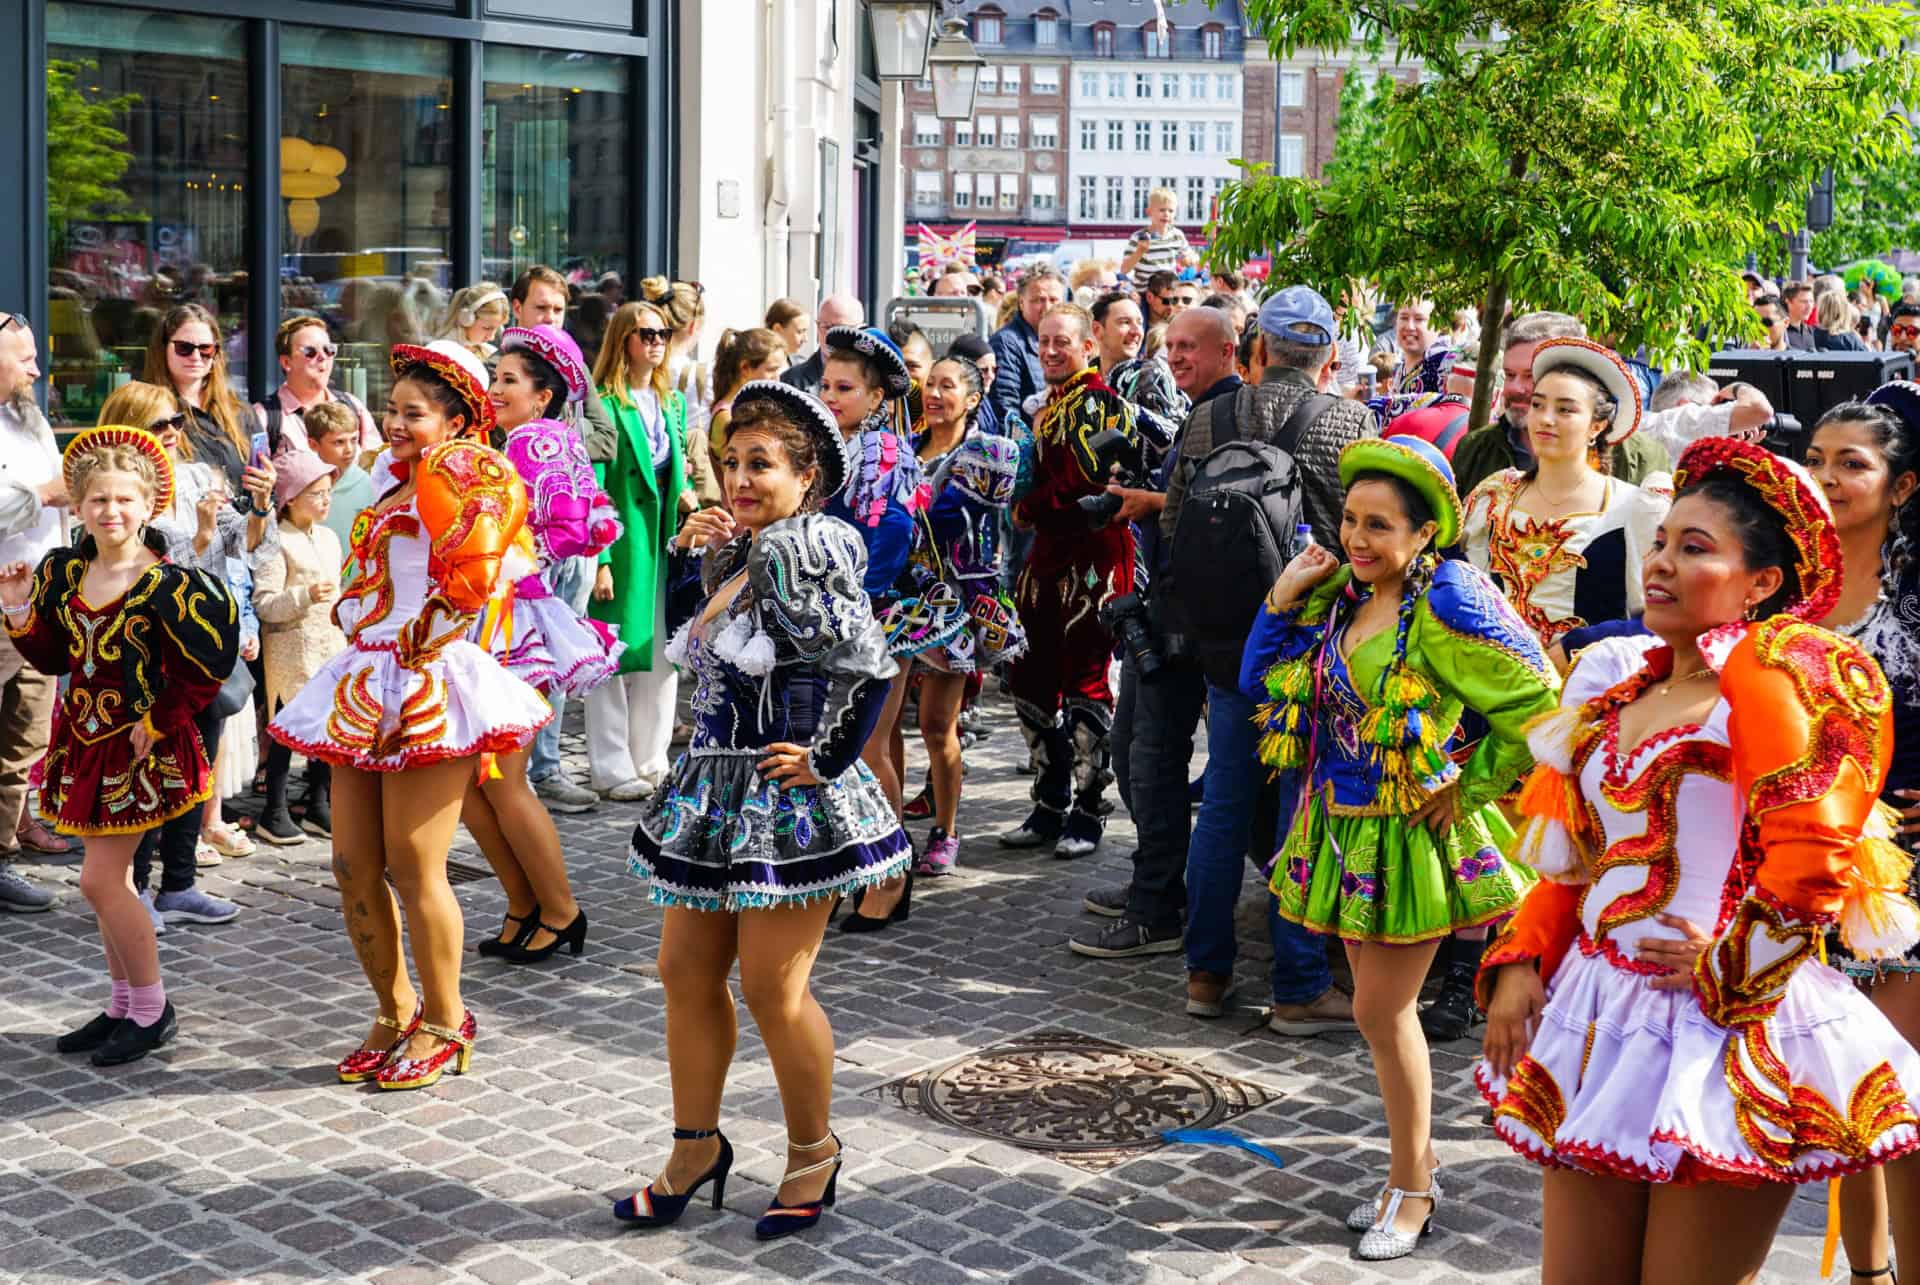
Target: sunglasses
{"type": "Point", "coordinates": [177, 422]}
{"type": "Point", "coordinates": [9, 319]}
{"type": "Point", "coordinates": [648, 335]}
{"type": "Point", "coordinates": [976, 291]}
{"type": "Point", "coordinates": [1908, 329]}
{"type": "Point", "coordinates": [181, 348]}
{"type": "Point", "coordinates": [313, 353]}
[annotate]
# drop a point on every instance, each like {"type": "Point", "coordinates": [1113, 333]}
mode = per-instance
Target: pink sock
{"type": "Point", "coordinates": [145, 1004]}
{"type": "Point", "coordinates": [122, 997]}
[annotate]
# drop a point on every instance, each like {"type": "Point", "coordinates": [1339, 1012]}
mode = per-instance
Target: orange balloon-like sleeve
{"type": "Point", "coordinates": [473, 505]}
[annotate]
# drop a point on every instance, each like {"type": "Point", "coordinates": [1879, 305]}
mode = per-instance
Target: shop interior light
{"type": "Point", "coordinates": [954, 65]}
{"type": "Point", "coordinates": [902, 35]}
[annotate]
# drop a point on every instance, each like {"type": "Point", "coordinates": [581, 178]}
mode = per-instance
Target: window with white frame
{"type": "Point", "coordinates": [1219, 186]}
{"type": "Point", "coordinates": [1103, 41]}
{"type": "Point", "coordinates": [1009, 191]}
{"type": "Point", "coordinates": [1088, 206]}
{"type": "Point", "coordinates": [984, 186]}
{"type": "Point", "coordinates": [1223, 87]}
{"type": "Point", "coordinates": [1196, 136]}
{"type": "Point", "coordinates": [1140, 189]}
{"type": "Point", "coordinates": [1115, 195]}
{"type": "Point", "coordinates": [927, 130]}
{"type": "Point", "coordinates": [1169, 135]}
{"type": "Point", "coordinates": [1010, 131]}
{"type": "Point", "coordinates": [1223, 137]}
{"type": "Point", "coordinates": [963, 133]}
{"type": "Point", "coordinates": [1155, 42]}
{"type": "Point", "coordinates": [1116, 136]}
{"type": "Point", "coordinates": [1143, 136]}
{"type": "Point", "coordinates": [1293, 88]}
{"type": "Point", "coordinates": [1211, 40]}
{"type": "Point", "coordinates": [986, 29]}
{"type": "Point", "coordinates": [1169, 86]}
{"type": "Point", "coordinates": [989, 82]}
{"type": "Point", "coordinates": [1089, 84]}
{"type": "Point", "coordinates": [962, 191]}
{"type": "Point", "coordinates": [1044, 132]}
{"type": "Point", "coordinates": [987, 132]}
{"type": "Point", "coordinates": [1045, 191]}
{"type": "Point", "coordinates": [1010, 79]}
{"type": "Point", "coordinates": [1196, 200]}
{"type": "Point", "coordinates": [1291, 156]}
{"type": "Point", "coordinates": [1089, 135]}
{"type": "Point", "coordinates": [1046, 79]}
{"type": "Point", "coordinates": [1197, 86]}
{"type": "Point", "coordinates": [926, 187]}
{"type": "Point", "coordinates": [1142, 85]}
{"type": "Point", "coordinates": [1046, 31]}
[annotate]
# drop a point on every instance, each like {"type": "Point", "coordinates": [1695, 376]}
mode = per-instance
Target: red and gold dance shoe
{"type": "Point", "coordinates": [418, 1073]}
{"type": "Point", "coordinates": [362, 1065]}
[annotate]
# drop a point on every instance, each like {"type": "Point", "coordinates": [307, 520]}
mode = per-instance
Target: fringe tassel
{"type": "Point", "coordinates": [1878, 920]}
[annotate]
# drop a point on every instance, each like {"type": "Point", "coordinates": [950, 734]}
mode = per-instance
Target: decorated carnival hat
{"type": "Point", "coordinates": [462, 372]}
{"type": "Point", "coordinates": [1603, 364]}
{"type": "Point", "coordinates": [880, 352]}
{"type": "Point", "coordinates": [148, 444]}
{"type": "Point", "coordinates": [813, 418]}
{"type": "Point", "coordinates": [296, 471]}
{"type": "Point", "coordinates": [1420, 465]}
{"type": "Point", "coordinates": [1902, 398]}
{"type": "Point", "coordinates": [555, 347]}
{"type": "Point", "coordinates": [1788, 490]}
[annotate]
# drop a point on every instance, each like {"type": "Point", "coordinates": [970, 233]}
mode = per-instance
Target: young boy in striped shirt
{"type": "Point", "coordinates": [1157, 246]}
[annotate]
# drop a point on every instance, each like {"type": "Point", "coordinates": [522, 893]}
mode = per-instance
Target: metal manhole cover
{"type": "Point", "coordinates": [460, 872]}
{"type": "Point", "coordinates": [1088, 1102]}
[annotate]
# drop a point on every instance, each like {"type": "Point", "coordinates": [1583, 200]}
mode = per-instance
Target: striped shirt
{"type": "Point", "coordinates": [1163, 252]}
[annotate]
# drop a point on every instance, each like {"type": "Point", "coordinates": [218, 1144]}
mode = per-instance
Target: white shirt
{"type": "Point", "coordinates": [29, 459]}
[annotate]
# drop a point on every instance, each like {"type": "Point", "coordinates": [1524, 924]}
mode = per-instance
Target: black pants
{"type": "Point", "coordinates": [178, 840]}
{"type": "Point", "coordinates": [1166, 714]}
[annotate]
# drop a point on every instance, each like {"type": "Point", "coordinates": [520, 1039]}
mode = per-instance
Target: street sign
{"type": "Point", "coordinates": [941, 320]}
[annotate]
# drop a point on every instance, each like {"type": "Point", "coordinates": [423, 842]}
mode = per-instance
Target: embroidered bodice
{"type": "Point", "coordinates": [568, 515]}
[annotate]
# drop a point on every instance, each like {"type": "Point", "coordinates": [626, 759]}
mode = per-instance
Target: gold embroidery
{"type": "Point", "coordinates": [1534, 1100]}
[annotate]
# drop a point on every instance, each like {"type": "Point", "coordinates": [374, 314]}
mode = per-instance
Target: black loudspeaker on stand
{"type": "Point", "coordinates": [1803, 386]}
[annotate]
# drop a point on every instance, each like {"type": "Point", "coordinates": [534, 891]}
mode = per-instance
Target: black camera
{"type": "Point", "coordinates": [1125, 617]}
{"type": "Point", "coordinates": [1100, 509]}
{"type": "Point", "coordinates": [1105, 450]}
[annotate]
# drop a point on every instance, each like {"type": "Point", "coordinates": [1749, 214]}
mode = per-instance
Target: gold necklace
{"type": "Point", "coordinates": [1672, 683]}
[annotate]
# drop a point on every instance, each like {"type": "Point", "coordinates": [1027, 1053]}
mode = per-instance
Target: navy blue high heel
{"type": "Point", "coordinates": [784, 1220]}
{"type": "Point", "coordinates": [655, 1206]}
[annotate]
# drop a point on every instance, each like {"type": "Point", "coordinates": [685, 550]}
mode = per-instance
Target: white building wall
{"type": "Point", "coordinates": [1096, 109]}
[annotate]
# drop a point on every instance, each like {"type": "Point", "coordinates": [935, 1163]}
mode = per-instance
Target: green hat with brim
{"type": "Point", "coordinates": [1417, 463]}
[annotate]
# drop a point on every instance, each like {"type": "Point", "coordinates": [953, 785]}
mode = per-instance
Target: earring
{"type": "Point", "coordinates": [1752, 612]}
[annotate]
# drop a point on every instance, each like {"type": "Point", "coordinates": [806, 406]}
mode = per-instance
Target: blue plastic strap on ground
{"type": "Point", "coordinates": [1223, 1138]}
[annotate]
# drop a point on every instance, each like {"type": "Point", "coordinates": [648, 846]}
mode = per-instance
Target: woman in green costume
{"type": "Point", "coordinates": [1364, 671]}
{"type": "Point", "coordinates": [630, 716]}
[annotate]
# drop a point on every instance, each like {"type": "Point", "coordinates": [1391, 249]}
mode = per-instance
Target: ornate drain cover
{"type": "Point", "coordinates": [1088, 1102]}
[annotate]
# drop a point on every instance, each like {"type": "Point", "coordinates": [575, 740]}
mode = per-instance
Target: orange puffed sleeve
{"type": "Point", "coordinates": [1811, 730]}
{"type": "Point", "coordinates": [1541, 931]}
{"type": "Point", "coordinates": [473, 505]}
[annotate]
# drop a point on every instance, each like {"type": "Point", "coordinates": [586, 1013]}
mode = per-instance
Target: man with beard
{"type": "Point", "coordinates": [1060, 687]}
{"type": "Point", "coordinates": [33, 500]}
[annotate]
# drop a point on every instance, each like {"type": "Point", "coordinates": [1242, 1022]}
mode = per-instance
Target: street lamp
{"type": "Point", "coordinates": [902, 32]}
{"type": "Point", "coordinates": [955, 67]}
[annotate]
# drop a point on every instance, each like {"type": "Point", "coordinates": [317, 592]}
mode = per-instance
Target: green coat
{"type": "Point", "coordinates": [639, 556]}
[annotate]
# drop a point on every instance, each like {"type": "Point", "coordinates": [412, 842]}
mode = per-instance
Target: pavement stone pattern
{"type": "Point", "coordinates": [234, 1155]}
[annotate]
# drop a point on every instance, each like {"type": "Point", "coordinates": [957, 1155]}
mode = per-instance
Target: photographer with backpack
{"type": "Point", "coordinates": [1250, 472]}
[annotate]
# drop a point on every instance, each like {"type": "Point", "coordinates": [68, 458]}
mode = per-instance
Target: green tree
{"type": "Point", "coordinates": [1873, 214]}
{"type": "Point", "coordinates": [1358, 128]}
{"type": "Point", "coordinates": [1608, 158]}
{"type": "Point", "coordinates": [85, 150]}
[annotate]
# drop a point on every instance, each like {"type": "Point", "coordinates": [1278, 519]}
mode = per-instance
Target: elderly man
{"type": "Point", "coordinates": [1060, 688]}
{"type": "Point", "coordinates": [1016, 345]}
{"type": "Point", "coordinates": [835, 310]}
{"type": "Point", "coordinates": [33, 500]}
{"type": "Point", "coordinates": [1154, 722]}
{"type": "Point", "coordinates": [306, 350]}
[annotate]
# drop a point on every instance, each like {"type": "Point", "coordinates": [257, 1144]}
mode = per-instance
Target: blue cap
{"type": "Point", "coordinates": [1286, 314]}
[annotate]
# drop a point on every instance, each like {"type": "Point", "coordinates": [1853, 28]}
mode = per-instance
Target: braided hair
{"type": "Point", "coordinates": [976, 384]}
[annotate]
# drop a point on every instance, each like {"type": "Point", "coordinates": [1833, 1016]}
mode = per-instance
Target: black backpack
{"type": "Point", "coordinates": [1236, 531]}
{"type": "Point", "coordinates": [276, 434]}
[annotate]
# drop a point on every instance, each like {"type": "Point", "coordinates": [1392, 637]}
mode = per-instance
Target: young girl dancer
{"type": "Point", "coordinates": [412, 709]}
{"type": "Point", "coordinates": [139, 666]}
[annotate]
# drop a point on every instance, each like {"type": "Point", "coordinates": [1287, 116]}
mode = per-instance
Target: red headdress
{"type": "Point", "coordinates": [148, 444]}
{"type": "Point", "coordinates": [1788, 490]}
{"type": "Point", "coordinates": [460, 370]}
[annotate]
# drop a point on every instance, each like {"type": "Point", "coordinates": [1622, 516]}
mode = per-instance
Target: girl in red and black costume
{"type": "Point", "coordinates": [1662, 1035]}
{"type": "Point", "coordinates": [413, 709]}
{"type": "Point", "coordinates": [139, 665]}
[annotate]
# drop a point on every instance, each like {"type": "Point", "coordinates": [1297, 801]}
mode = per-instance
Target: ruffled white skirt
{"type": "Point", "coordinates": [366, 710]}
{"type": "Point", "coordinates": [1631, 1082]}
{"type": "Point", "coordinates": [554, 648]}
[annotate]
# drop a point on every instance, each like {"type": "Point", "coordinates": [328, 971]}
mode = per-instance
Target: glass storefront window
{"type": "Point", "coordinates": [553, 176]}
{"type": "Point", "coordinates": [146, 159]}
{"type": "Point", "coordinates": [366, 171]}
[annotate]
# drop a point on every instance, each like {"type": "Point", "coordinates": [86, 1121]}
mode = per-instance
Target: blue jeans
{"type": "Point", "coordinates": [571, 582]}
{"type": "Point", "coordinates": [1217, 858]}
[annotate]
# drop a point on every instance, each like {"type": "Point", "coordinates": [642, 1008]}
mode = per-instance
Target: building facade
{"type": "Point", "coordinates": [1292, 107]}
{"type": "Point", "coordinates": [362, 161]}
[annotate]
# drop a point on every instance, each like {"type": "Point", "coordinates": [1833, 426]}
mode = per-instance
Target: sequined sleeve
{"type": "Point", "coordinates": [39, 635]}
{"type": "Point", "coordinates": [568, 513]}
{"type": "Point", "coordinates": [183, 642]}
{"type": "Point", "coordinates": [473, 506]}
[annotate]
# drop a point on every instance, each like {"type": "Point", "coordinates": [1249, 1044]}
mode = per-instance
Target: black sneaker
{"type": "Point", "coordinates": [1081, 836]}
{"type": "Point", "coordinates": [1109, 902]}
{"type": "Point", "coordinates": [130, 1041]}
{"type": "Point", "coordinates": [1453, 1012]}
{"type": "Point", "coordinates": [276, 826]}
{"type": "Point", "coordinates": [89, 1037]}
{"type": "Point", "coordinates": [1123, 938]}
{"type": "Point", "coordinates": [1042, 826]}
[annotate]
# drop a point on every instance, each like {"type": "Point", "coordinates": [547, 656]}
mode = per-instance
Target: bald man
{"type": "Point", "coordinates": [835, 310]}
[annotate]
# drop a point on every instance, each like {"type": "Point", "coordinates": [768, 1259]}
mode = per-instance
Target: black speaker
{"type": "Point", "coordinates": [1819, 381]}
{"type": "Point", "coordinates": [1764, 369]}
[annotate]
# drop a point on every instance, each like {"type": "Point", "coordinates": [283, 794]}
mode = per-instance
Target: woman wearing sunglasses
{"type": "Point", "coordinates": [186, 356]}
{"type": "Point", "coordinates": [630, 716]}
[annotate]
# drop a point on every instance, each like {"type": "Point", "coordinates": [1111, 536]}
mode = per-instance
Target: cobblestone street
{"type": "Point", "coordinates": [233, 1154]}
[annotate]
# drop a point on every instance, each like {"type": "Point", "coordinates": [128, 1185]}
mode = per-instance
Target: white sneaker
{"type": "Point", "coordinates": [159, 924]}
{"type": "Point", "coordinates": [562, 795]}
{"type": "Point", "coordinates": [630, 791]}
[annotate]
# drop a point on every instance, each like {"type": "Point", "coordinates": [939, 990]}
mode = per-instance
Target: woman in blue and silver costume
{"type": "Point", "coordinates": [770, 814]}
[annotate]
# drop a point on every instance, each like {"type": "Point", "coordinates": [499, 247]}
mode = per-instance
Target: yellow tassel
{"type": "Point", "coordinates": [1546, 794]}
{"type": "Point", "coordinates": [1829, 1247]}
{"type": "Point", "coordinates": [1877, 918]}
{"type": "Point", "coordinates": [489, 768]}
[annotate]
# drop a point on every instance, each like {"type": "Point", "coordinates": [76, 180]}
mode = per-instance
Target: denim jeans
{"type": "Point", "coordinates": [1230, 822]}
{"type": "Point", "coordinates": [1166, 713]}
{"type": "Point", "coordinates": [571, 582]}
